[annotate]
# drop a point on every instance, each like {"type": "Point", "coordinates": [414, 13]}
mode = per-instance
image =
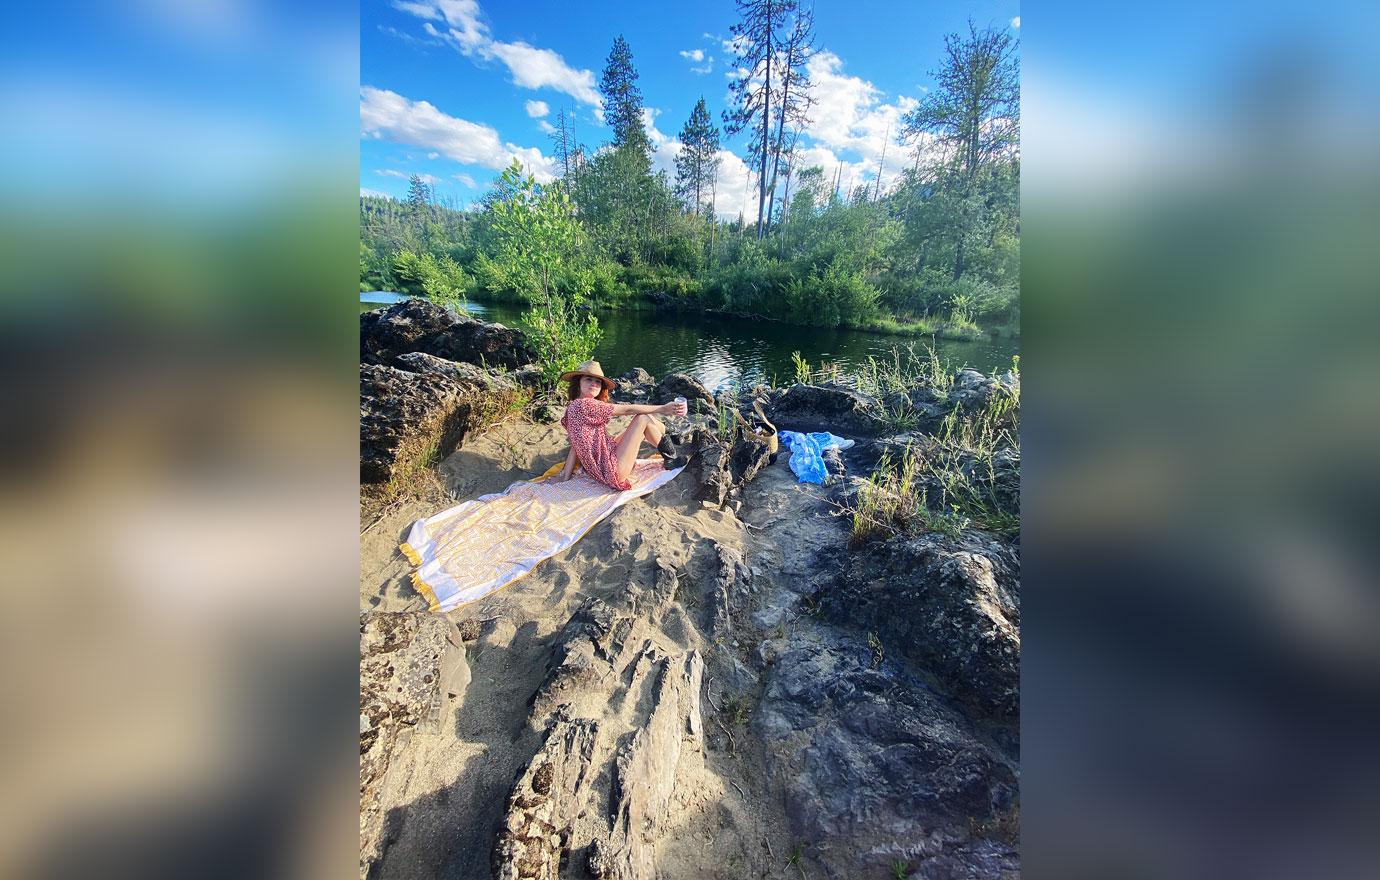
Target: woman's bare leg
{"type": "Point", "coordinates": [651, 432]}
{"type": "Point", "coordinates": [629, 442]}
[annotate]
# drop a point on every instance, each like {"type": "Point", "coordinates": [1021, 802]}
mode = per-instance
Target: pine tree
{"type": "Point", "coordinates": [623, 99]}
{"type": "Point", "coordinates": [793, 106]}
{"type": "Point", "coordinates": [757, 42]}
{"type": "Point", "coordinates": [418, 195]}
{"type": "Point", "coordinates": [698, 162]}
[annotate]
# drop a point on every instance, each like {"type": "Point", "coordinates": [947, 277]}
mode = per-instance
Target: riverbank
{"type": "Point", "coordinates": [887, 325]}
{"type": "Point", "coordinates": [737, 675]}
{"type": "Point", "coordinates": [731, 351]}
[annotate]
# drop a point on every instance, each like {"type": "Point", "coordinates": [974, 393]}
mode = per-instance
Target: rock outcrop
{"type": "Point", "coordinates": [645, 773]}
{"type": "Point", "coordinates": [834, 408]}
{"type": "Point", "coordinates": [876, 765]}
{"type": "Point", "coordinates": [409, 417]}
{"type": "Point", "coordinates": [952, 607]}
{"type": "Point", "coordinates": [634, 386]}
{"type": "Point", "coordinates": [549, 796]}
{"type": "Point", "coordinates": [416, 325]}
{"type": "Point", "coordinates": [412, 673]}
{"type": "Point", "coordinates": [723, 469]}
{"type": "Point", "coordinates": [556, 818]}
{"type": "Point", "coordinates": [697, 397]}
{"type": "Point", "coordinates": [972, 390]}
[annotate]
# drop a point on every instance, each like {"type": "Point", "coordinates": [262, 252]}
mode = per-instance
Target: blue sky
{"type": "Point", "coordinates": [453, 89]}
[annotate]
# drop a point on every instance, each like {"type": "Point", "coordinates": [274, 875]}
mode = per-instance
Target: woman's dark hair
{"type": "Point", "coordinates": [573, 390]}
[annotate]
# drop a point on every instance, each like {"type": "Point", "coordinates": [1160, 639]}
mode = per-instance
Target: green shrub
{"type": "Point", "coordinates": [832, 298]}
{"type": "Point", "coordinates": [439, 279]}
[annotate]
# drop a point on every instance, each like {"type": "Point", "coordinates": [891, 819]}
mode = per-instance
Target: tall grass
{"type": "Point", "coordinates": [948, 484]}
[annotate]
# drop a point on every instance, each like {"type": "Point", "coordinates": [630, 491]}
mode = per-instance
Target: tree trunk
{"type": "Point", "coordinates": [766, 128]}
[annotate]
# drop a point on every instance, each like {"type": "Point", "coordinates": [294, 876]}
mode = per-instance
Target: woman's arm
{"type": "Point", "coordinates": [636, 409]}
{"type": "Point", "coordinates": [569, 467]}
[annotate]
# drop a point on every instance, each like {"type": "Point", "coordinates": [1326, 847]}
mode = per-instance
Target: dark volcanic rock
{"type": "Point", "coordinates": [407, 417]}
{"type": "Point", "coordinates": [879, 766]}
{"type": "Point", "coordinates": [832, 408]}
{"type": "Point", "coordinates": [473, 379]}
{"type": "Point", "coordinates": [722, 470]}
{"type": "Point", "coordinates": [951, 607]}
{"type": "Point", "coordinates": [973, 391]}
{"type": "Point", "coordinates": [979, 860]}
{"type": "Point", "coordinates": [419, 325]}
{"type": "Point", "coordinates": [634, 386]}
{"type": "Point", "coordinates": [679, 384]}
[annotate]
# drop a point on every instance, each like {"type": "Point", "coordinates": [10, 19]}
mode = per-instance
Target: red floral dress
{"type": "Point", "coordinates": [584, 421]}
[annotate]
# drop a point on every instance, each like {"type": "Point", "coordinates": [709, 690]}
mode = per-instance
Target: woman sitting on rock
{"type": "Point", "coordinates": [608, 459]}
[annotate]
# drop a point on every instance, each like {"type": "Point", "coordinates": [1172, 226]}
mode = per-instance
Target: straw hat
{"type": "Point", "coordinates": [589, 368]}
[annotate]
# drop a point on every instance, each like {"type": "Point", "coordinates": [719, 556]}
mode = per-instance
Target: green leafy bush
{"type": "Point", "coordinates": [439, 279]}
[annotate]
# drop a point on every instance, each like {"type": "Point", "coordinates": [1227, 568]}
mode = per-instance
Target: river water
{"type": "Point", "coordinates": [721, 351]}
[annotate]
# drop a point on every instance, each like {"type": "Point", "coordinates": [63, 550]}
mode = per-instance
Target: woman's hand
{"type": "Point", "coordinates": [673, 409]}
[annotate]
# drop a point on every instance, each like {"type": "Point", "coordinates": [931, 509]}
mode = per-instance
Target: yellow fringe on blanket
{"type": "Point", "coordinates": [422, 587]}
{"type": "Point", "coordinates": [412, 555]}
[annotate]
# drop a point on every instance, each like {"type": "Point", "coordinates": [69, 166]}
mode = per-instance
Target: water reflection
{"type": "Point", "coordinates": [723, 352]}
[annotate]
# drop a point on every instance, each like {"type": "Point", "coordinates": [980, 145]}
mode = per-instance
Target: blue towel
{"type": "Point", "coordinates": [807, 453]}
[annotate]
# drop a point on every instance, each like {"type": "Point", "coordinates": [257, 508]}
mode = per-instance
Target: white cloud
{"type": "Point", "coordinates": [667, 147]}
{"type": "Point", "coordinates": [433, 155]}
{"type": "Point", "coordinates": [534, 68]}
{"type": "Point", "coordinates": [849, 114]}
{"type": "Point", "coordinates": [546, 127]}
{"type": "Point", "coordinates": [695, 55]}
{"type": "Point", "coordinates": [537, 109]}
{"type": "Point", "coordinates": [365, 191]}
{"type": "Point", "coordinates": [735, 191]}
{"type": "Point", "coordinates": [421, 10]}
{"type": "Point", "coordinates": [531, 67]}
{"type": "Point", "coordinates": [465, 179]}
{"type": "Point", "coordinates": [385, 115]}
{"type": "Point", "coordinates": [428, 179]}
{"type": "Point", "coordinates": [407, 38]}
{"type": "Point", "coordinates": [1016, 22]}
{"type": "Point", "coordinates": [732, 190]}
{"type": "Point", "coordinates": [708, 68]}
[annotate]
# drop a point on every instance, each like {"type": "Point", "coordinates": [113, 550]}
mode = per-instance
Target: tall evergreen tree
{"type": "Point", "coordinates": [793, 106]}
{"type": "Point", "coordinates": [974, 115]}
{"type": "Point", "coordinates": [699, 158]}
{"type": "Point", "coordinates": [418, 195]}
{"type": "Point", "coordinates": [623, 99]}
{"type": "Point", "coordinates": [756, 44]}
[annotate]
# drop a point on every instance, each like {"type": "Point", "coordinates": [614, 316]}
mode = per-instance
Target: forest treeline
{"type": "Point", "coordinates": [930, 244]}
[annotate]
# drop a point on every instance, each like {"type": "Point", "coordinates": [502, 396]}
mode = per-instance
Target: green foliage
{"type": "Point", "coordinates": [940, 253]}
{"type": "Point", "coordinates": [697, 164]}
{"type": "Point", "coordinates": [752, 283]}
{"type": "Point", "coordinates": [947, 486]}
{"type": "Point", "coordinates": [833, 297]}
{"type": "Point", "coordinates": [622, 98]}
{"type": "Point", "coordinates": [539, 246]}
{"type": "Point", "coordinates": [439, 279]}
{"type": "Point", "coordinates": [563, 337]}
